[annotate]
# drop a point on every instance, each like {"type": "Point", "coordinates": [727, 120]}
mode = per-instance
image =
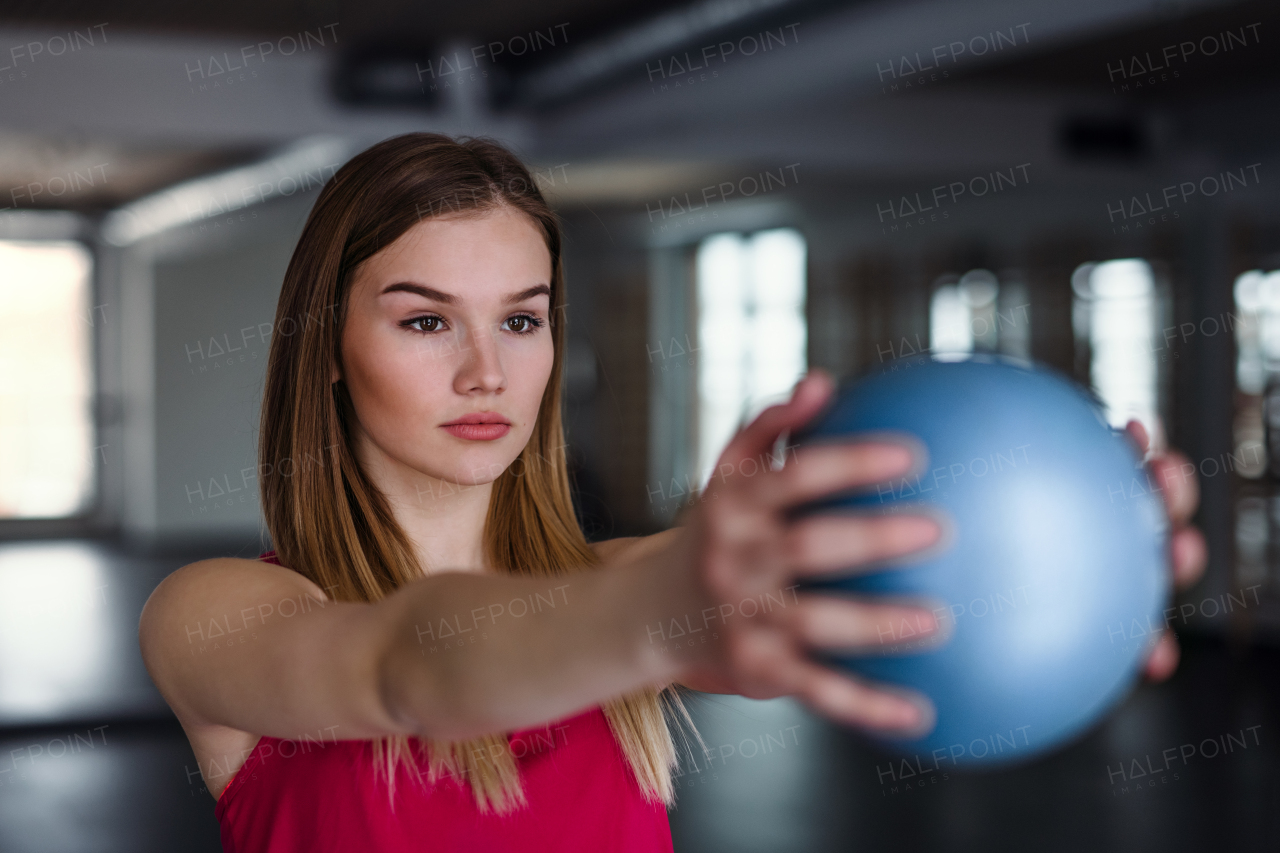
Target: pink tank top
{"type": "Point", "coordinates": [315, 796]}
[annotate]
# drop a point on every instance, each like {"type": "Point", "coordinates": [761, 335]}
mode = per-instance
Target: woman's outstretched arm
{"type": "Point", "coordinates": [256, 647]}
{"type": "Point", "coordinates": [259, 648]}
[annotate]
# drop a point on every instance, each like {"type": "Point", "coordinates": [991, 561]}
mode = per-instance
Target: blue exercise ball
{"type": "Point", "coordinates": [1051, 578]}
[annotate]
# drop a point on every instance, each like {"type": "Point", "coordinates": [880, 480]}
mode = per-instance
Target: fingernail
{"type": "Point", "coordinates": [916, 713]}
{"type": "Point", "coordinates": [897, 456]}
{"type": "Point", "coordinates": [923, 524]}
{"type": "Point", "coordinates": [908, 716]}
{"type": "Point", "coordinates": [923, 718]}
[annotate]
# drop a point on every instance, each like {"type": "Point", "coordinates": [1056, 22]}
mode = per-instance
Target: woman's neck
{"type": "Point", "coordinates": [443, 520]}
{"type": "Point", "coordinates": [448, 534]}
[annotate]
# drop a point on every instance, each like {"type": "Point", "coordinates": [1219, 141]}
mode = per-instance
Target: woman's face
{"type": "Point", "coordinates": [449, 321]}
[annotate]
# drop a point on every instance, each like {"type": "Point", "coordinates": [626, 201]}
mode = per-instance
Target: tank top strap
{"type": "Point", "coordinates": [244, 772]}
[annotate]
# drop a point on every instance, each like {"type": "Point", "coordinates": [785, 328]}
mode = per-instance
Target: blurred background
{"type": "Point", "coordinates": [749, 188]}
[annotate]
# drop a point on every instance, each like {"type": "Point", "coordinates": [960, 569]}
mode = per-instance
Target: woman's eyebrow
{"type": "Point", "coordinates": [449, 299]}
{"type": "Point", "coordinates": [421, 290]}
{"type": "Point", "coordinates": [528, 293]}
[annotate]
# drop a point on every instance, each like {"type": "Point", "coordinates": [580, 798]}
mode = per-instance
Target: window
{"type": "Point", "coordinates": [1116, 311]}
{"type": "Point", "coordinates": [46, 379]}
{"type": "Point", "coordinates": [1257, 332]}
{"type": "Point", "coordinates": [976, 312]}
{"type": "Point", "coordinates": [1257, 297]}
{"type": "Point", "coordinates": [751, 331]}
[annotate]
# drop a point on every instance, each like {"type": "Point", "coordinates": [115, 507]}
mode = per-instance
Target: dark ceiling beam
{"type": "Point", "coordinates": [606, 56]}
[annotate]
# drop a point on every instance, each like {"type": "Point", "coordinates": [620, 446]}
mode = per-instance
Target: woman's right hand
{"type": "Point", "coordinates": [740, 545]}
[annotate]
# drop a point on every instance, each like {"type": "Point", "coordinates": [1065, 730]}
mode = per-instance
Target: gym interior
{"type": "Point", "coordinates": [846, 185]}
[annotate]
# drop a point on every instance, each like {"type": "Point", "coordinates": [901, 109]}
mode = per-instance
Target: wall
{"type": "Point", "coordinates": [205, 297]}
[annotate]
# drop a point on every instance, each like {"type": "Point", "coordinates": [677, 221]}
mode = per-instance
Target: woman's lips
{"type": "Point", "coordinates": [478, 432]}
{"type": "Point", "coordinates": [479, 426]}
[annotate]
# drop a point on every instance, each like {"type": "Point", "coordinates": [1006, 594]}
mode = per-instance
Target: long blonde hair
{"type": "Point", "coordinates": [330, 523]}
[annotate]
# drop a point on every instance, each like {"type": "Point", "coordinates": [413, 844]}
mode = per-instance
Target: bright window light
{"type": "Point", "coordinates": [963, 317]}
{"type": "Point", "coordinates": [1256, 323]}
{"type": "Point", "coordinates": [1257, 329]}
{"type": "Point", "coordinates": [56, 639]}
{"type": "Point", "coordinates": [1116, 307]}
{"type": "Point", "coordinates": [752, 333]}
{"type": "Point", "coordinates": [950, 331]}
{"type": "Point", "coordinates": [46, 379]}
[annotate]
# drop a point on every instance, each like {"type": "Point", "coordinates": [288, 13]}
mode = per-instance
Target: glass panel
{"type": "Point", "coordinates": [46, 379]}
{"type": "Point", "coordinates": [1257, 332]}
{"type": "Point", "coordinates": [950, 327]}
{"type": "Point", "coordinates": [1116, 309]}
{"type": "Point", "coordinates": [965, 316]}
{"type": "Point", "coordinates": [752, 334]}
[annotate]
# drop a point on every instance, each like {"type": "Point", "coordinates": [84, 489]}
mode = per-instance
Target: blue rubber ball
{"type": "Point", "coordinates": [1051, 577]}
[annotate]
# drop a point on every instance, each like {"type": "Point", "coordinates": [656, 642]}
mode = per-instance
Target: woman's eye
{"type": "Point", "coordinates": [524, 324]}
{"type": "Point", "coordinates": [424, 324]}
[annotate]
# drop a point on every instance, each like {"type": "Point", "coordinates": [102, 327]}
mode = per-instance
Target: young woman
{"type": "Point", "coordinates": [433, 657]}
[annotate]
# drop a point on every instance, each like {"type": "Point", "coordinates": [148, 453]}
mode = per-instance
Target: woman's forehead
{"type": "Point", "coordinates": [490, 255]}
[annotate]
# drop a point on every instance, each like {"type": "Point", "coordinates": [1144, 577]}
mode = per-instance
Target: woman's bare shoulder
{"type": "Point", "coordinates": [214, 586]}
{"type": "Point", "coordinates": [232, 576]}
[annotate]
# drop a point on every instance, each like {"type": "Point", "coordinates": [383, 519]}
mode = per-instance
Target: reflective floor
{"type": "Point", "coordinates": [91, 760]}
{"type": "Point", "coordinates": [1125, 787]}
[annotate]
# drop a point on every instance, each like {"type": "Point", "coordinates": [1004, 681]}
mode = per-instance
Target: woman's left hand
{"type": "Point", "coordinates": [1188, 555]}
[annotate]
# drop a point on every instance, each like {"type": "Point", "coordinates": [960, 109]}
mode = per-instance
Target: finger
{"type": "Point", "coordinates": [1164, 658]}
{"type": "Point", "coordinates": [826, 543]}
{"type": "Point", "coordinates": [1177, 479]}
{"type": "Point", "coordinates": [849, 700]}
{"type": "Point", "coordinates": [834, 622]}
{"type": "Point", "coordinates": [1190, 556]}
{"type": "Point", "coordinates": [757, 438]}
{"type": "Point", "coordinates": [1139, 435]}
{"type": "Point", "coordinates": [819, 470]}
{"type": "Point", "coordinates": [769, 664]}
{"type": "Point", "coordinates": [763, 660]}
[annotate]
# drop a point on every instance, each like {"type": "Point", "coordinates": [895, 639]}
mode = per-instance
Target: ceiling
{"type": "Point", "coordinates": [146, 108]}
{"type": "Point", "coordinates": [374, 24]}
